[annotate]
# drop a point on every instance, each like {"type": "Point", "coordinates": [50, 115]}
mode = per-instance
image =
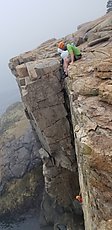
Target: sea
{"type": "Point", "coordinates": [8, 98]}
{"type": "Point", "coordinates": [27, 221]}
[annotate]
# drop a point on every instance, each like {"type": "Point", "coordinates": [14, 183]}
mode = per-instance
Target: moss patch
{"type": "Point", "coordinates": [86, 150]}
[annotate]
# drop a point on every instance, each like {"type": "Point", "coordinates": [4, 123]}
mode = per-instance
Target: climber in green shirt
{"type": "Point", "coordinates": [74, 54]}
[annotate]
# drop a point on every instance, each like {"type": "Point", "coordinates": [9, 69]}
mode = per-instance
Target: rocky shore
{"type": "Point", "coordinates": [21, 180]}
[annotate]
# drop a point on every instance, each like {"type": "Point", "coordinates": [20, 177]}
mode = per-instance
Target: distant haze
{"type": "Point", "coordinates": [27, 23]}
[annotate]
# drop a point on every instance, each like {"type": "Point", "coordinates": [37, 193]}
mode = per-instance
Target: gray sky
{"type": "Point", "coordinates": [26, 23]}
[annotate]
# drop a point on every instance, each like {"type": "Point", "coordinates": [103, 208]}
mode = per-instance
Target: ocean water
{"type": "Point", "coordinates": [24, 222]}
{"type": "Point", "coordinates": [8, 98]}
{"type": "Point", "coordinates": [30, 221]}
{"type": "Point", "coordinates": [27, 221]}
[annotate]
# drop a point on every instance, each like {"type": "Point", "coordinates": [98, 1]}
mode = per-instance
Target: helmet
{"type": "Point", "coordinates": [61, 45]}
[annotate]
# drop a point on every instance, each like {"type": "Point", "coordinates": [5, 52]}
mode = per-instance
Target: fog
{"type": "Point", "coordinates": [27, 23]}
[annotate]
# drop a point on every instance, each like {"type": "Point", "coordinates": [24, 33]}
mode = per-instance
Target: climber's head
{"type": "Point", "coordinates": [79, 198]}
{"type": "Point", "coordinates": [61, 45]}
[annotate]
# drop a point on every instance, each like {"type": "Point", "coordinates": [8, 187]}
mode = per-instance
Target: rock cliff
{"type": "Point", "coordinates": [73, 120]}
{"type": "Point", "coordinates": [20, 164]}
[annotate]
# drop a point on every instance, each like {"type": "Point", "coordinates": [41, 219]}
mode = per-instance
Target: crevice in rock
{"type": "Point", "coordinates": [66, 177]}
{"type": "Point", "coordinates": [69, 118]}
{"type": "Point", "coordinates": [67, 107]}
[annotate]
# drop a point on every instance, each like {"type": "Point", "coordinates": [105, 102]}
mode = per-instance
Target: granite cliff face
{"type": "Point", "coordinates": [73, 120]}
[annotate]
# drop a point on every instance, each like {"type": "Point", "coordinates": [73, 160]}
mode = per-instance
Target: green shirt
{"type": "Point", "coordinates": [74, 49]}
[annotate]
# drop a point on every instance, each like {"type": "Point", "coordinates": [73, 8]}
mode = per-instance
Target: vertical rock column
{"type": "Point", "coordinates": [90, 93]}
{"type": "Point", "coordinates": [42, 94]}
